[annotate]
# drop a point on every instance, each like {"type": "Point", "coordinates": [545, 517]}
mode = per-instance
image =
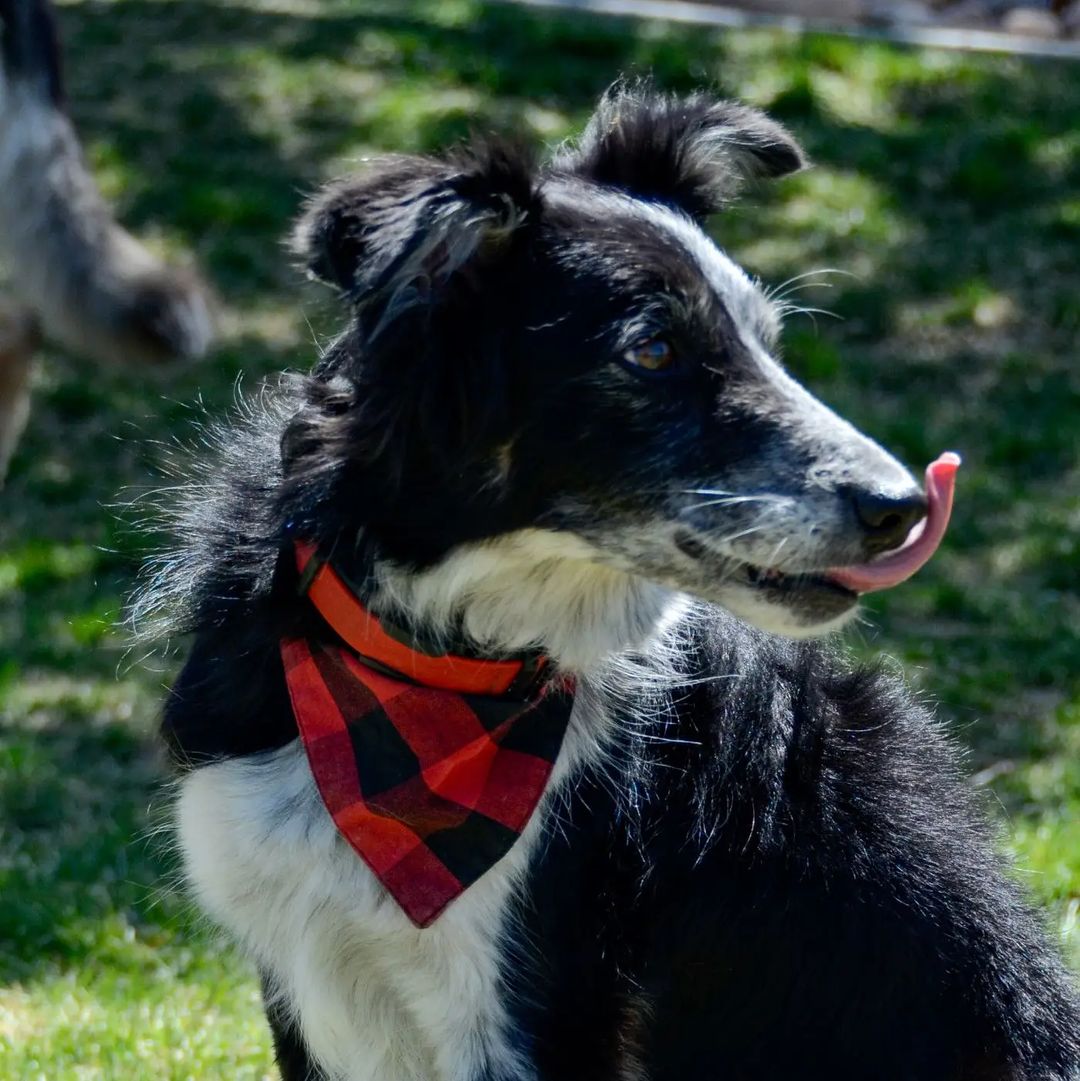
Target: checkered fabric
{"type": "Point", "coordinates": [431, 787]}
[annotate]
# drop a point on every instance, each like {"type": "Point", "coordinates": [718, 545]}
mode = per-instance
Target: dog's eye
{"type": "Point", "coordinates": [654, 355]}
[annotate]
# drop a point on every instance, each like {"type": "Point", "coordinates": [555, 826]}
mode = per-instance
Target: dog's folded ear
{"type": "Point", "coordinates": [693, 152]}
{"type": "Point", "coordinates": [404, 227]}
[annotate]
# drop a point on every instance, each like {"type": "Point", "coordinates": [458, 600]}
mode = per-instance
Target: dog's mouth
{"type": "Point", "coordinates": [826, 593]}
{"type": "Point", "coordinates": [773, 583]}
{"type": "Point", "coordinates": [779, 583]}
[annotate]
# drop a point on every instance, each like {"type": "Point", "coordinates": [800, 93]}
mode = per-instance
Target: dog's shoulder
{"type": "Point", "coordinates": [799, 718]}
{"type": "Point", "coordinates": [787, 826]}
{"type": "Point", "coordinates": [772, 752]}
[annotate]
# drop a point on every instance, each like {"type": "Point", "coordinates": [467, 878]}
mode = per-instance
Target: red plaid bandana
{"type": "Point", "coordinates": [429, 784]}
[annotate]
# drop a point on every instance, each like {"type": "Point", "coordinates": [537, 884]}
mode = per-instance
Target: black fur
{"type": "Point", "coordinates": [789, 879]}
{"type": "Point", "coordinates": [800, 887]}
{"type": "Point", "coordinates": [292, 1057]}
{"type": "Point", "coordinates": [692, 152]}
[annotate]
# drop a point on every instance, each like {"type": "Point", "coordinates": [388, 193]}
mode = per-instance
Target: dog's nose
{"type": "Point", "coordinates": [887, 519]}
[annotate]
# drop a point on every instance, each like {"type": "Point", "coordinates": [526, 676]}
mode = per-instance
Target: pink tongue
{"type": "Point", "coordinates": [891, 569]}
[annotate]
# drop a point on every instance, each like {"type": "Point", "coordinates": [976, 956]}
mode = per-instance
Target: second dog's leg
{"type": "Point", "coordinates": [18, 341]}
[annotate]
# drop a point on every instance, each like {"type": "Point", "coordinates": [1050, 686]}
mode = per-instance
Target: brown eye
{"type": "Point", "coordinates": [654, 355]}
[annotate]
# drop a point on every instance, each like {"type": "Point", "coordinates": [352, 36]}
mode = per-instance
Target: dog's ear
{"type": "Point", "coordinates": [392, 236]}
{"type": "Point", "coordinates": [422, 248]}
{"type": "Point", "coordinates": [692, 152]}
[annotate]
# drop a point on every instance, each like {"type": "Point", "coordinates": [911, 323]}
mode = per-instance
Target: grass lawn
{"type": "Point", "coordinates": [946, 186]}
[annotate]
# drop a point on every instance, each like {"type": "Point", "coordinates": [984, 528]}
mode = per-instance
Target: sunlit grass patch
{"type": "Point", "coordinates": [169, 1021]}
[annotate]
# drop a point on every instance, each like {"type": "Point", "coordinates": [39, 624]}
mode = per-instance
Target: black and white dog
{"type": "Point", "coordinates": [555, 417]}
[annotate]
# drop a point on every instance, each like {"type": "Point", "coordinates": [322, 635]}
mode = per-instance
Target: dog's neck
{"type": "Point", "coordinates": [532, 589]}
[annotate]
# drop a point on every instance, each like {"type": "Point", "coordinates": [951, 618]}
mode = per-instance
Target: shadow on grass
{"type": "Point", "coordinates": [80, 874]}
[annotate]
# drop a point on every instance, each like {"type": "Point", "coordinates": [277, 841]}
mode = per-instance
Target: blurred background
{"type": "Point", "coordinates": [947, 191]}
{"type": "Point", "coordinates": [1030, 22]}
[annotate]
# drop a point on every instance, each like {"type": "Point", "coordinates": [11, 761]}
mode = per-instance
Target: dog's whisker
{"type": "Point", "coordinates": [749, 532]}
{"type": "Point", "coordinates": [726, 501]}
{"type": "Point", "coordinates": [771, 292]}
{"type": "Point", "coordinates": [739, 495]}
{"type": "Point", "coordinates": [775, 555]}
{"type": "Point", "coordinates": [781, 297]}
{"type": "Point", "coordinates": [796, 309]}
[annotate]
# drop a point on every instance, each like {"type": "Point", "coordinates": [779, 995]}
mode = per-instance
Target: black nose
{"type": "Point", "coordinates": [887, 519]}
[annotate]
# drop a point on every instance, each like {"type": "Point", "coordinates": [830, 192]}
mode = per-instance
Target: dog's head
{"type": "Point", "coordinates": [561, 347]}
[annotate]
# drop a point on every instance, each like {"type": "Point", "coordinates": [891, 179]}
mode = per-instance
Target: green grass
{"type": "Point", "coordinates": [945, 184]}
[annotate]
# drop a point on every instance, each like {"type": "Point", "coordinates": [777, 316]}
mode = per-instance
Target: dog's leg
{"type": "Point", "coordinates": [18, 341]}
{"type": "Point", "coordinates": [292, 1058]}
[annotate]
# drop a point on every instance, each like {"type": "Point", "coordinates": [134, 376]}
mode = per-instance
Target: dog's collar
{"type": "Point", "coordinates": [394, 651]}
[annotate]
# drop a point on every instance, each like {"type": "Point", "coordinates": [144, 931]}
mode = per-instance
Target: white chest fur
{"type": "Point", "coordinates": [376, 998]}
